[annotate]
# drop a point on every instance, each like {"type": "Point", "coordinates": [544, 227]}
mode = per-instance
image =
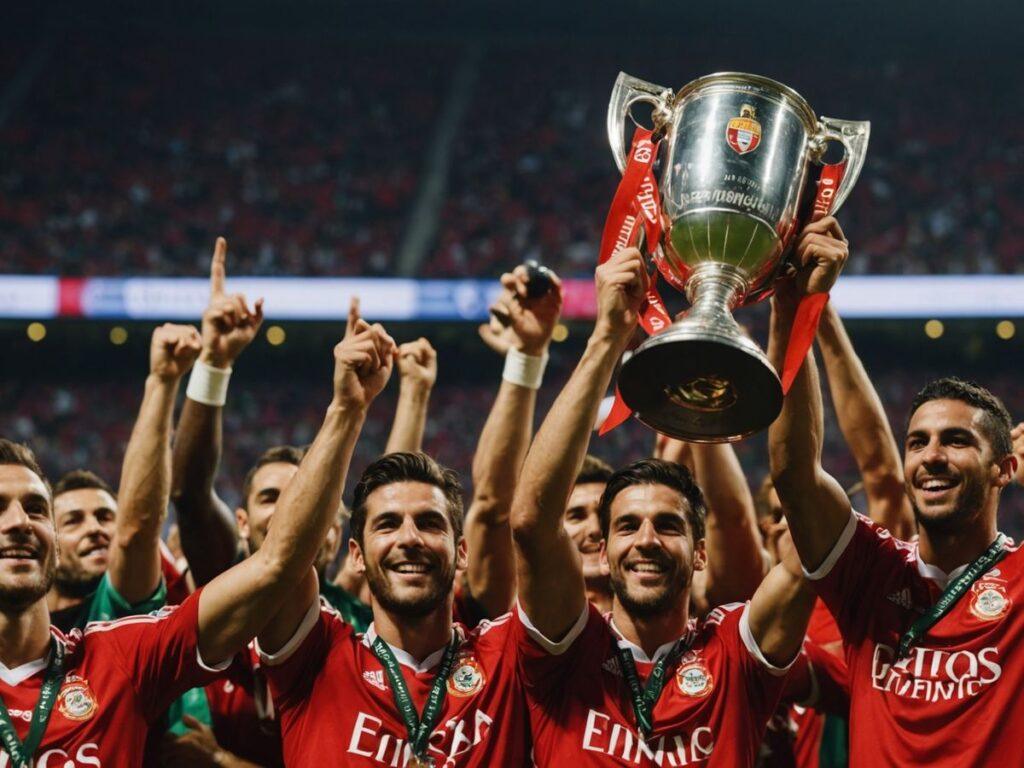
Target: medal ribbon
{"type": "Point", "coordinates": [419, 727]}
{"type": "Point", "coordinates": [21, 753]}
{"type": "Point", "coordinates": [636, 207]}
{"type": "Point", "coordinates": [951, 594]}
{"type": "Point", "coordinates": [644, 698]}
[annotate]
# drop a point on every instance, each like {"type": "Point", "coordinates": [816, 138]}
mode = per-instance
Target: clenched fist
{"type": "Point", "coordinates": [363, 362]}
{"type": "Point", "coordinates": [173, 350]}
{"type": "Point", "coordinates": [417, 364]}
{"type": "Point", "coordinates": [622, 282]}
{"type": "Point", "coordinates": [229, 325]}
{"type": "Point", "coordinates": [821, 254]}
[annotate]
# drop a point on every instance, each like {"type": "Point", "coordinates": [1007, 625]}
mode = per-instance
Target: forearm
{"type": "Point", "coordinates": [557, 453]}
{"type": "Point", "coordinates": [736, 562]}
{"type": "Point", "coordinates": [779, 613]}
{"type": "Point", "coordinates": [209, 536]}
{"type": "Point", "coordinates": [143, 494]}
{"type": "Point", "coordinates": [499, 457]}
{"type": "Point", "coordinates": [410, 419]}
{"type": "Point", "coordinates": [864, 425]}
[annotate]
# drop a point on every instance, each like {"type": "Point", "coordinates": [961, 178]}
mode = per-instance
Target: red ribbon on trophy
{"type": "Point", "coordinates": [808, 311]}
{"type": "Point", "coordinates": [636, 206]}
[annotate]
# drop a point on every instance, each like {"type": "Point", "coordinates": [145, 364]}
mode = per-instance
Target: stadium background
{"type": "Point", "coordinates": [452, 141]}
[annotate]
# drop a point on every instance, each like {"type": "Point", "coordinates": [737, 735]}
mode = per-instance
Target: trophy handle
{"type": "Point", "coordinates": [853, 135]}
{"type": "Point", "coordinates": [629, 90]}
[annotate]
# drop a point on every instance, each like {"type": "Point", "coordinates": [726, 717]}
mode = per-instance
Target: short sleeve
{"type": "Point", "coordinates": [859, 571]}
{"type": "Point", "coordinates": [107, 604]}
{"type": "Point", "coordinates": [544, 665]}
{"type": "Point", "coordinates": [292, 671]}
{"type": "Point", "coordinates": [159, 652]}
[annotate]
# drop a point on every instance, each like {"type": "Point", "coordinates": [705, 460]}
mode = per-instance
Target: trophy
{"type": "Point", "coordinates": [733, 186]}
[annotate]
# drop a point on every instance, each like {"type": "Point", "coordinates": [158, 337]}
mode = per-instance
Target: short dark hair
{"type": "Point", "coordinates": [279, 454]}
{"type": "Point", "coordinates": [996, 422]}
{"type": "Point", "coordinates": [656, 472]}
{"type": "Point", "coordinates": [402, 467]}
{"type": "Point", "coordinates": [20, 454]}
{"type": "Point", "coordinates": [594, 470]}
{"type": "Point", "coordinates": [80, 478]}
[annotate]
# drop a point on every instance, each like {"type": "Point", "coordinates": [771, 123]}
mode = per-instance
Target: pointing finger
{"type": "Point", "coordinates": [217, 268]}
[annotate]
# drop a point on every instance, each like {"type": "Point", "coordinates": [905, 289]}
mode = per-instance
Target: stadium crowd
{"type": "Point", "coordinates": [309, 156]}
{"type": "Point", "coordinates": [697, 605]}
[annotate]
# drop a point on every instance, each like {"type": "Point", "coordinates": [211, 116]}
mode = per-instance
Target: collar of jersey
{"type": "Point", "coordinates": [403, 657]}
{"type": "Point", "coordinates": [637, 651]}
{"type": "Point", "coordinates": [936, 574]}
{"type": "Point", "coordinates": [23, 672]}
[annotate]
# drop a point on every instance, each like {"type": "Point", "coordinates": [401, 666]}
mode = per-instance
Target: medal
{"type": "Point", "coordinates": [420, 762]}
{"type": "Point", "coordinates": [645, 697]}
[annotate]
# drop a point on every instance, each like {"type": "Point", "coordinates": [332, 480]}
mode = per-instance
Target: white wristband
{"type": "Point", "coordinates": [208, 385]}
{"type": "Point", "coordinates": [524, 370]}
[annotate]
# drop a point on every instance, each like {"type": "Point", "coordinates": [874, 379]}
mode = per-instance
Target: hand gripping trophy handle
{"type": "Point", "coordinates": [629, 90]}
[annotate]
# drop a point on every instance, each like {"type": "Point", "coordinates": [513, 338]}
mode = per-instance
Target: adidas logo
{"type": "Point", "coordinates": [901, 598]}
{"type": "Point", "coordinates": [376, 679]}
{"type": "Point", "coordinates": [611, 664]}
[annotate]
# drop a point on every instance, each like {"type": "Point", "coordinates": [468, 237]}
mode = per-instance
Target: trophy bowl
{"type": "Point", "coordinates": [732, 179]}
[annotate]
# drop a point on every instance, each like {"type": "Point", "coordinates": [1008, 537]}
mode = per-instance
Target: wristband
{"type": "Point", "coordinates": [208, 385]}
{"type": "Point", "coordinates": [524, 370]}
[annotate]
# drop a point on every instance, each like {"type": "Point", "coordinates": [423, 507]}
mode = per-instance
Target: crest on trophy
{"type": "Point", "coordinates": [744, 132]}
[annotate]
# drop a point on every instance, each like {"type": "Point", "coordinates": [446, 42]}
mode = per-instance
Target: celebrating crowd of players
{"type": "Point", "coordinates": [658, 614]}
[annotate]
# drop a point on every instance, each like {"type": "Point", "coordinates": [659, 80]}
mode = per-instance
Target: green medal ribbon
{"type": "Point", "coordinates": [644, 698]}
{"type": "Point", "coordinates": [419, 727]}
{"type": "Point", "coordinates": [951, 594]}
{"type": "Point", "coordinates": [21, 753]}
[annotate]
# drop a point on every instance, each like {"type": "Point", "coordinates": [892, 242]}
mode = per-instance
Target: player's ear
{"type": "Point", "coordinates": [461, 554]}
{"type": "Point", "coordinates": [700, 555]}
{"type": "Point", "coordinates": [603, 559]}
{"type": "Point", "coordinates": [242, 518]}
{"type": "Point", "coordinates": [355, 552]}
{"type": "Point", "coordinates": [1007, 469]}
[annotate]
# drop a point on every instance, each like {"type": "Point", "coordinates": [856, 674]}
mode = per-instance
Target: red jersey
{"type": "Point", "coordinates": [954, 700]}
{"type": "Point", "coordinates": [120, 677]}
{"type": "Point", "coordinates": [243, 712]}
{"type": "Point", "coordinates": [335, 703]}
{"type": "Point", "coordinates": [712, 711]}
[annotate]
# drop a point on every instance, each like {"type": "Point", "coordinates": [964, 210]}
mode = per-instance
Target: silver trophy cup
{"type": "Point", "coordinates": [732, 181]}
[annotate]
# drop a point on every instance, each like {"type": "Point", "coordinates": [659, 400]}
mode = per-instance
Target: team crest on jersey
{"type": "Point", "coordinates": [988, 600]}
{"type": "Point", "coordinates": [744, 132]}
{"type": "Point", "coordinates": [76, 701]}
{"type": "Point", "coordinates": [694, 679]}
{"type": "Point", "coordinates": [467, 678]}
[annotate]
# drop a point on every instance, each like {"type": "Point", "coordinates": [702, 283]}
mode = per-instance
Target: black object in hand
{"type": "Point", "coordinates": [538, 279]}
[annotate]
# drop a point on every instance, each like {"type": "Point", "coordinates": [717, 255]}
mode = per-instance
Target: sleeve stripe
{"type": "Point", "coordinates": [840, 546]}
{"type": "Point", "coordinates": [552, 647]}
{"type": "Point", "coordinates": [751, 645]}
{"type": "Point", "coordinates": [301, 633]}
{"type": "Point", "coordinates": [105, 626]}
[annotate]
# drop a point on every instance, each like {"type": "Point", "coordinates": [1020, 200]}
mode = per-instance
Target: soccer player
{"type": "Point", "coordinates": [736, 558]}
{"type": "Point", "coordinates": [582, 524]}
{"type": "Point", "coordinates": [928, 628]}
{"type": "Point", "coordinates": [648, 686]}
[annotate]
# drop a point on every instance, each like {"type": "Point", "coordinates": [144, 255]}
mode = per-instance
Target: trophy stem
{"type": "Point", "coordinates": [714, 291]}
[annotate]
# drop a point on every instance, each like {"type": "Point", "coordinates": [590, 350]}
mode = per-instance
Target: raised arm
{"type": "Point", "coordinates": [814, 503]}
{"type": "Point", "coordinates": [551, 588]}
{"type": "Point", "coordinates": [134, 569]}
{"type": "Point", "coordinates": [270, 592]}
{"type": "Point", "coordinates": [504, 441]}
{"type": "Point", "coordinates": [417, 369]}
{"type": "Point", "coordinates": [209, 535]}
{"type": "Point", "coordinates": [736, 558]}
{"type": "Point", "coordinates": [865, 427]}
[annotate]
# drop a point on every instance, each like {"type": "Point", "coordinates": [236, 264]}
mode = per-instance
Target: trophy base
{"type": "Point", "coordinates": [701, 387]}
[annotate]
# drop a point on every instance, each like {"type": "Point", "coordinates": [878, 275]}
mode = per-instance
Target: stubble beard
{"type": "Point", "coordinates": [654, 605]}
{"type": "Point", "coordinates": [967, 505]}
{"type": "Point", "coordinates": [16, 600]}
{"type": "Point", "coordinates": [416, 608]}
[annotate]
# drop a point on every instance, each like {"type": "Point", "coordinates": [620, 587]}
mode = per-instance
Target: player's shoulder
{"type": "Point", "coordinates": [95, 631]}
{"type": "Point", "coordinates": [882, 536]}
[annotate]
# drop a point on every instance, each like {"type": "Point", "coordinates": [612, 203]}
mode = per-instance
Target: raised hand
{"type": "Point", "coordinates": [363, 362]}
{"type": "Point", "coordinates": [173, 350]}
{"type": "Point", "coordinates": [417, 364]}
{"type": "Point", "coordinates": [229, 325]}
{"type": "Point", "coordinates": [622, 282]}
{"type": "Point", "coordinates": [821, 253]}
